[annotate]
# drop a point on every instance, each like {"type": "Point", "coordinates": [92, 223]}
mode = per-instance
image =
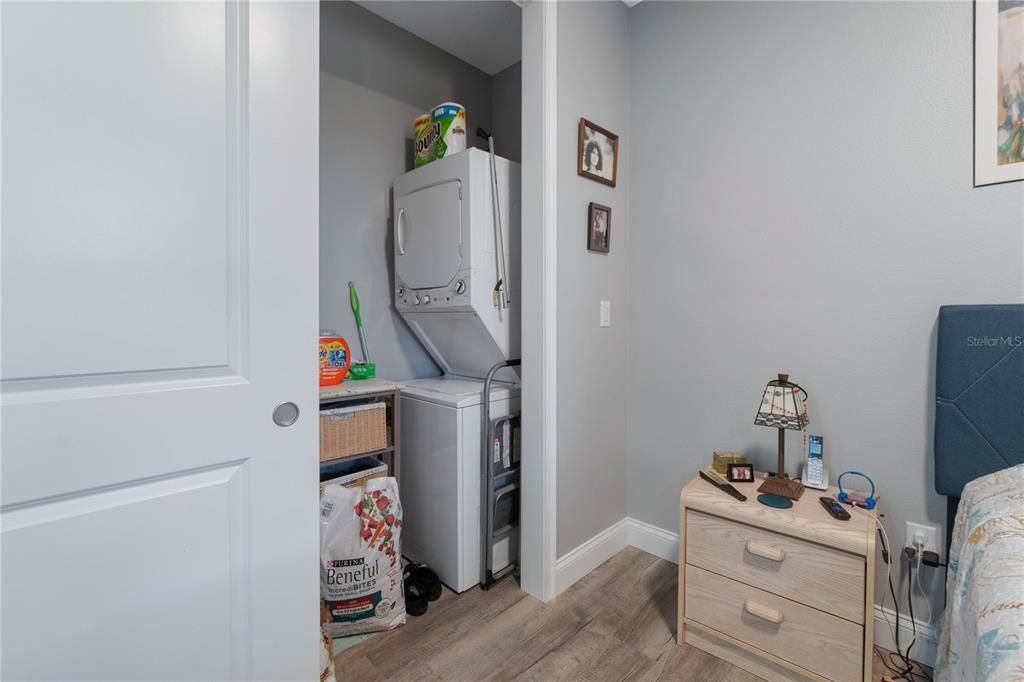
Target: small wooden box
{"type": "Point", "coordinates": [722, 460]}
{"type": "Point", "coordinates": [352, 430]}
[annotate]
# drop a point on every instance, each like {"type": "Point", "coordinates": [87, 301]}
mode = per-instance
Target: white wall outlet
{"type": "Point", "coordinates": [927, 536]}
{"type": "Point", "coordinates": [606, 313]}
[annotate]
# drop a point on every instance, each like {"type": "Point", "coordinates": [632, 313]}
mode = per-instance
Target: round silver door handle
{"type": "Point", "coordinates": [286, 414]}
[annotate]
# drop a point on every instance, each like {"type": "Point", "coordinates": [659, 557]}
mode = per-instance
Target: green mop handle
{"type": "Point", "coordinates": [353, 298]}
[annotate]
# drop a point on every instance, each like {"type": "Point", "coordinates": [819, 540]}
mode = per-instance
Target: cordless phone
{"type": "Point", "coordinates": [814, 468]}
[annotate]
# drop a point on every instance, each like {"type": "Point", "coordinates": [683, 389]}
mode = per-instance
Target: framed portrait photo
{"type": "Point", "coordinates": [998, 91]}
{"type": "Point", "coordinates": [741, 473]}
{"type": "Point", "coordinates": [597, 157]}
{"type": "Point", "coordinates": [599, 228]}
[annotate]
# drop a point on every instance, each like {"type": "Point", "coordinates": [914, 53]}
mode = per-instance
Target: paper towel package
{"type": "Point", "coordinates": [449, 119]}
{"type": "Point", "coordinates": [424, 140]}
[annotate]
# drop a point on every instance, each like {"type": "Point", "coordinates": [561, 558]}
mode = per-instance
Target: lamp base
{"type": "Point", "coordinates": [790, 488]}
{"type": "Point", "coordinates": [776, 501]}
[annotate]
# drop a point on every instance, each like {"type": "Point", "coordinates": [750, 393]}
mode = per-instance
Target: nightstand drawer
{"type": "Point", "coordinates": [814, 640]}
{"type": "Point", "coordinates": [818, 576]}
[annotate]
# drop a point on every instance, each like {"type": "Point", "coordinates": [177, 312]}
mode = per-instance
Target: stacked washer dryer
{"type": "Point", "coordinates": [451, 287]}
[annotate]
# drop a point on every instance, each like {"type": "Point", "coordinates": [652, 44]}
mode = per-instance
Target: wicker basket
{"type": "Point", "coordinates": [352, 430]}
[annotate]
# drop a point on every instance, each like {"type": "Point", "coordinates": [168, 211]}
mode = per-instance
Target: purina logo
{"type": "Point", "coordinates": [342, 563]}
{"type": "Point", "coordinates": [348, 571]}
{"type": "Point", "coordinates": [994, 341]}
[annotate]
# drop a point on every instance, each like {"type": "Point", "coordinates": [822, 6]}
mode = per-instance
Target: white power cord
{"type": "Point", "coordinates": [888, 566]}
{"type": "Point", "coordinates": [888, 572]}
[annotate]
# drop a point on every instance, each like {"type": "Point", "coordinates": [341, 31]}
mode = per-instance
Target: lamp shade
{"type": "Point", "coordinates": [783, 405]}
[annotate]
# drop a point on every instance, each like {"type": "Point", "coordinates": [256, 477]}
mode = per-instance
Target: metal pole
{"type": "Point", "coordinates": [501, 286]}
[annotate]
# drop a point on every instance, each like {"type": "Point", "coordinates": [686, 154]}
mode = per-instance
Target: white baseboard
{"type": "Point", "coordinates": [591, 554]}
{"type": "Point", "coordinates": [664, 544]}
{"type": "Point", "coordinates": [927, 647]}
{"type": "Point", "coordinates": [661, 543]}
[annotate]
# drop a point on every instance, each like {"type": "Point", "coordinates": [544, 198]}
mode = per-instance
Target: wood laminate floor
{"type": "Point", "coordinates": [617, 623]}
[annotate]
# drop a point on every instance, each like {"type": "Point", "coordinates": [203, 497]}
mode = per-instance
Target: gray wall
{"type": "Point", "coordinates": [591, 383]}
{"type": "Point", "coordinates": [507, 111]}
{"type": "Point", "coordinates": [363, 148]}
{"type": "Point", "coordinates": [802, 202]}
{"type": "Point", "coordinates": [375, 78]}
{"type": "Point", "coordinates": [360, 47]}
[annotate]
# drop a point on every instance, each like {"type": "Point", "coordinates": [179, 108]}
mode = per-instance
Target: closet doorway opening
{"type": "Point", "coordinates": [407, 207]}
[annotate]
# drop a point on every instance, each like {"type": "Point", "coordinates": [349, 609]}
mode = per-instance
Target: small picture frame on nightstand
{"type": "Point", "coordinates": [741, 473]}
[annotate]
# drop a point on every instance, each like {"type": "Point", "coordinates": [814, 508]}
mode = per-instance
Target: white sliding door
{"type": "Point", "coordinates": [159, 301]}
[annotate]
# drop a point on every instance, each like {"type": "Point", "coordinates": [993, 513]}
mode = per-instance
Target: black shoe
{"type": "Point", "coordinates": [427, 577]}
{"type": "Point", "coordinates": [415, 596]}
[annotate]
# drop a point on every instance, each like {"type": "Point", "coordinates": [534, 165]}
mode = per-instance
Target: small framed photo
{"type": "Point", "coordinates": [599, 228]}
{"type": "Point", "coordinates": [597, 157]}
{"type": "Point", "coordinates": [741, 473]}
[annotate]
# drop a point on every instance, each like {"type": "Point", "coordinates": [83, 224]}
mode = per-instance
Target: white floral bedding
{"type": "Point", "coordinates": [983, 625]}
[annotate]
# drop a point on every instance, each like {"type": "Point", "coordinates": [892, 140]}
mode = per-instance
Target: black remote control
{"type": "Point", "coordinates": [834, 508]}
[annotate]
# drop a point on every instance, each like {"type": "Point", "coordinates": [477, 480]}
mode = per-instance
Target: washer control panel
{"type": "Point", "coordinates": [455, 294]}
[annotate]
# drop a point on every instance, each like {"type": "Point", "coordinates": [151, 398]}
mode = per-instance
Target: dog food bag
{"type": "Point", "coordinates": [360, 558]}
{"type": "Point", "coordinates": [326, 658]}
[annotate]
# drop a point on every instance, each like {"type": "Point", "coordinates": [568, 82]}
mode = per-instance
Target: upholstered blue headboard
{"type": "Point", "coordinates": [979, 393]}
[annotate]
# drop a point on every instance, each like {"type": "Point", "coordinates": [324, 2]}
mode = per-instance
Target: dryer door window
{"type": "Point", "coordinates": [428, 235]}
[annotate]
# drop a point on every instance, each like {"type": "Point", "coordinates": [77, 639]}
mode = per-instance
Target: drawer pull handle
{"type": "Point", "coordinates": [762, 612]}
{"type": "Point", "coordinates": [766, 551]}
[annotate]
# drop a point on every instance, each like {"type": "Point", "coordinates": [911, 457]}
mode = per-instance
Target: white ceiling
{"type": "Point", "coordinates": [485, 33]}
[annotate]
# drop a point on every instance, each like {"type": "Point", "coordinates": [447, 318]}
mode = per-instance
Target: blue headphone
{"type": "Point", "coordinates": [844, 497]}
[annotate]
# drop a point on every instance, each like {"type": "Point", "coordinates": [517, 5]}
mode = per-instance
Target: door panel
{"type": "Point", "coordinates": [429, 240]}
{"type": "Point", "coordinates": [157, 538]}
{"type": "Point", "coordinates": [159, 300]}
{"type": "Point", "coordinates": [136, 177]}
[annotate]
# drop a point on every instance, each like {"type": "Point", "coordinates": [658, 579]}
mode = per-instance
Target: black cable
{"type": "Point", "coordinates": [899, 649]}
{"type": "Point", "coordinates": [901, 673]}
{"type": "Point", "coordinates": [892, 590]}
{"type": "Point", "coordinates": [907, 668]}
{"type": "Point", "coordinates": [910, 602]}
{"type": "Point", "coordinates": [898, 672]}
{"type": "Point", "coordinates": [910, 593]}
{"type": "Point", "coordinates": [910, 606]}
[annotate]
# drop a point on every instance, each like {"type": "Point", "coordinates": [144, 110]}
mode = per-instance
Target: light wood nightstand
{"type": "Point", "coordinates": [783, 593]}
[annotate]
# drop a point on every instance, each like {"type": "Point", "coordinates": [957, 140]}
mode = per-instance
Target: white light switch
{"type": "Point", "coordinates": [606, 313]}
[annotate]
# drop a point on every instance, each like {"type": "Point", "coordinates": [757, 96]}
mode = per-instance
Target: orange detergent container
{"type": "Point", "coordinates": [334, 359]}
